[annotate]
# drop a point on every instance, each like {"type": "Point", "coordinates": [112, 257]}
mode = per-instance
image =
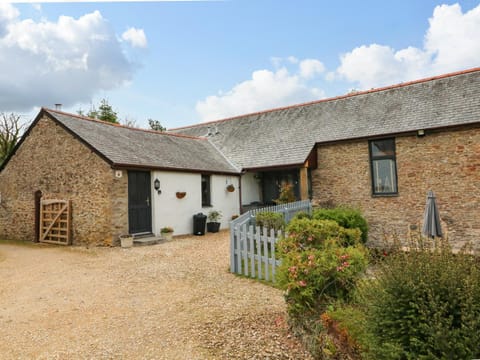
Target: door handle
{"type": "Point", "coordinates": [148, 201]}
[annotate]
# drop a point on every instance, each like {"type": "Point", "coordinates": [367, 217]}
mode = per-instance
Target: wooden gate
{"type": "Point", "coordinates": [55, 222]}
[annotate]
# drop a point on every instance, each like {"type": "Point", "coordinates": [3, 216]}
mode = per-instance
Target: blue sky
{"type": "Point", "coordinates": [190, 61]}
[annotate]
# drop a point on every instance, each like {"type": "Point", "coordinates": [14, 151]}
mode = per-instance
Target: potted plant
{"type": "Point", "coordinates": [213, 224]}
{"type": "Point", "coordinates": [126, 241]}
{"type": "Point", "coordinates": [167, 232]}
{"type": "Point", "coordinates": [230, 188]}
{"type": "Point", "coordinates": [180, 194]}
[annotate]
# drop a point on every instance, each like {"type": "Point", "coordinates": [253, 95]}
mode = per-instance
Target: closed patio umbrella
{"type": "Point", "coordinates": [431, 217]}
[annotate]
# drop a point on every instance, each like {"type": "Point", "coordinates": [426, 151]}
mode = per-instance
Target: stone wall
{"type": "Point", "coordinates": [447, 162]}
{"type": "Point", "coordinates": [53, 161]}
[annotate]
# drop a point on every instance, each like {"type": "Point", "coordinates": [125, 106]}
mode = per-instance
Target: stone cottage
{"type": "Point", "coordinates": [379, 150]}
{"type": "Point", "coordinates": [119, 180]}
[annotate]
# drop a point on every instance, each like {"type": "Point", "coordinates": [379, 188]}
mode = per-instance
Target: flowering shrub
{"type": "Point", "coordinates": [316, 266]}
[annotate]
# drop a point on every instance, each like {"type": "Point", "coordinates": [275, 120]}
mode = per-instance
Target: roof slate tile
{"type": "Point", "coordinates": [287, 135]}
{"type": "Point", "coordinates": [135, 147]}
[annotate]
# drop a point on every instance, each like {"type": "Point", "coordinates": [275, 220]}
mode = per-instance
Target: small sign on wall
{"type": "Point", "coordinates": [118, 174]}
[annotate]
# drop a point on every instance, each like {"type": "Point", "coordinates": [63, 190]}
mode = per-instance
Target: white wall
{"type": "Point", "coordinates": [251, 190]}
{"type": "Point", "coordinates": [178, 213]}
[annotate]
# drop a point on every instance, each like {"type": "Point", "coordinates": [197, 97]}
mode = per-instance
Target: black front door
{"type": "Point", "coordinates": [273, 180]}
{"type": "Point", "coordinates": [139, 202]}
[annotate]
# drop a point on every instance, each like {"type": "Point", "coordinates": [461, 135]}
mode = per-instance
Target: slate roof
{"type": "Point", "coordinates": [123, 146]}
{"type": "Point", "coordinates": [286, 136]}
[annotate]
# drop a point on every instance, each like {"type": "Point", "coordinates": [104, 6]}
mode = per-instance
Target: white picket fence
{"type": "Point", "coordinates": [252, 249]}
{"type": "Point", "coordinates": [253, 252]}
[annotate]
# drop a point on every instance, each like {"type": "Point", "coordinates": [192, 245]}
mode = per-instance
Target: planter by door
{"type": "Point", "coordinates": [213, 227]}
{"type": "Point", "coordinates": [168, 236]}
{"type": "Point", "coordinates": [126, 241]}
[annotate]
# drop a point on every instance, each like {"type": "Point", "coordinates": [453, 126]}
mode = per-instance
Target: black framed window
{"type": "Point", "coordinates": [206, 197]}
{"type": "Point", "coordinates": [383, 166]}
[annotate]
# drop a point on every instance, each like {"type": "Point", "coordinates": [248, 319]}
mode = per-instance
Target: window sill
{"type": "Point", "coordinates": [385, 195]}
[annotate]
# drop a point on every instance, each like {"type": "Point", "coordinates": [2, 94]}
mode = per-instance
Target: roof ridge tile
{"type": "Point", "coordinates": [339, 97]}
{"type": "Point", "coordinates": [86, 118]}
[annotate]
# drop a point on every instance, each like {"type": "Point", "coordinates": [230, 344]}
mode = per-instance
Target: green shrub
{"type": "Point", "coordinates": [345, 217]}
{"type": "Point", "coordinates": [302, 215]}
{"type": "Point", "coordinates": [424, 304]}
{"type": "Point", "coordinates": [346, 324]}
{"type": "Point", "coordinates": [307, 233]}
{"type": "Point", "coordinates": [270, 220]}
{"type": "Point", "coordinates": [316, 266]}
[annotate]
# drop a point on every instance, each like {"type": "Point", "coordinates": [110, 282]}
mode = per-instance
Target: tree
{"type": "Point", "coordinates": [10, 128]}
{"type": "Point", "coordinates": [105, 112]}
{"type": "Point", "coordinates": [155, 125]}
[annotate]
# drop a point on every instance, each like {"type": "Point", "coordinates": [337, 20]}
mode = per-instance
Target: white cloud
{"type": "Point", "coordinates": [136, 37]}
{"type": "Point", "coordinates": [292, 59]}
{"type": "Point", "coordinates": [451, 43]}
{"type": "Point", "coordinates": [309, 68]}
{"type": "Point", "coordinates": [266, 89]}
{"type": "Point", "coordinates": [453, 37]}
{"type": "Point", "coordinates": [7, 14]}
{"type": "Point", "coordinates": [66, 61]}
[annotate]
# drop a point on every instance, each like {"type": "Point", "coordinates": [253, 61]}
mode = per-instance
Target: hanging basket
{"type": "Point", "coordinates": [230, 188]}
{"type": "Point", "coordinates": [180, 194]}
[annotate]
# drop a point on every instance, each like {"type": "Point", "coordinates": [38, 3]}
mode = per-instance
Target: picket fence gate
{"type": "Point", "coordinates": [253, 249]}
{"type": "Point", "coordinates": [253, 252]}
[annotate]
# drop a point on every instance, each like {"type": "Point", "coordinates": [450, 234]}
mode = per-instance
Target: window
{"type": "Point", "coordinates": [383, 166]}
{"type": "Point", "coordinates": [206, 190]}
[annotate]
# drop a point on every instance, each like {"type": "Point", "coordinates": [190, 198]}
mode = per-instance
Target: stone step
{"type": "Point", "coordinates": [150, 240]}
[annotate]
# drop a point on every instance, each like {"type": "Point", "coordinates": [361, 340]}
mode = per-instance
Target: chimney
{"type": "Point", "coordinates": [58, 107]}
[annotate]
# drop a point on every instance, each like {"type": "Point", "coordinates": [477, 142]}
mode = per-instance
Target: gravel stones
{"type": "Point", "coordinates": [174, 300]}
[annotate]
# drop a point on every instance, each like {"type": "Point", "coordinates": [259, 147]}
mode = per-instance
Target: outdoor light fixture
{"type": "Point", "coordinates": [156, 185]}
{"type": "Point", "coordinates": [420, 133]}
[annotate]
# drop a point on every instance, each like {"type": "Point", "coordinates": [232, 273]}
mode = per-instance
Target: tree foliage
{"type": "Point", "coordinates": [10, 129]}
{"type": "Point", "coordinates": [105, 112]}
{"type": "Point", "coordinates": [155, 125]}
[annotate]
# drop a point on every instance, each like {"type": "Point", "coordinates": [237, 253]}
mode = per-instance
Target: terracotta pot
{"type": "Point", "coordinates": [180, 194]}
{"type": "Point", "coordinates": [230, 188]}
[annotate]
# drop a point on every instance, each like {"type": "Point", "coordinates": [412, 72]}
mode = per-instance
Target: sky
{"type": "Point", "coordinates": [185, 62]}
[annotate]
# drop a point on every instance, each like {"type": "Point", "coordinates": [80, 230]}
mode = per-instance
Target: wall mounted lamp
{"type": "Point", "coordinates": [156, 186]}
{"type": "Point", "coordinates": [420, 133]}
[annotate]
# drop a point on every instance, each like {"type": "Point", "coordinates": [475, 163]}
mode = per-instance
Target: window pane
{"type": "Point", "coordinates": [206, 190]}
{"type": "Point", "coordinates": [383, 148]}
{"type": "Point", "coordinates": [384, 177]}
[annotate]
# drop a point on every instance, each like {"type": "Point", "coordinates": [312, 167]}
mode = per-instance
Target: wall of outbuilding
{"type": "Point", "coordinates": [51, 160]}
{"type": "Point", "coordinates": [168, 210]}
{"type": "Point", "coordinates": [448, 162]}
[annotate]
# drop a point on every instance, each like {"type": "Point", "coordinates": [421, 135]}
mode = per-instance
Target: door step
{"type": "Point", "coordinates": [143, 241]}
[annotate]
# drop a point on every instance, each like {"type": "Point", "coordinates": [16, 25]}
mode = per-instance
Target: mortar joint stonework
{"type": "Point", "coordinates": [446, 162]}
{"type": "Point", "coordinates": [53, 161]}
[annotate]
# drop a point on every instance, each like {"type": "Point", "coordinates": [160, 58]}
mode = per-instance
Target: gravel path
{"type": "Point", "coordinates": [174, 300]}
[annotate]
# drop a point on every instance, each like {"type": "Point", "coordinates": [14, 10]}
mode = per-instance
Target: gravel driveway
{"type": "Point", "coordinates": [174, 300]}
